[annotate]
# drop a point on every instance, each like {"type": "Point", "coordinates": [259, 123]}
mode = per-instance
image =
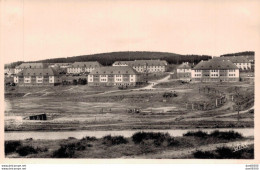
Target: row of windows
{"type": "Point", "coordinates": [227, 79]}
{"type": "Point", "coordinates": [111, 75]}
{"type": "Point", "coordinates": [149, 66]}
{"type": "Point", "coordinates": [184, 69]}
{"type": "Point", "coordinates": [214, 74]}
{"type": "Point", "coordinates": [117, 84]}
{"type": "Point", "coordinates": [215, 70]}
{"type": "Point", "coordinates": [103, 79]}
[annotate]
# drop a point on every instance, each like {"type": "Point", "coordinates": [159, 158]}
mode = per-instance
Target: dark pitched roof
{"type": "Point", "coordinates": [86, 64]}
{"type": "Point", "coordinates": [184, 66]}
{"type": "Point", "coordinates": [235, 59]}
{"type": "Point", "coordinates": [215, 65]}
{"type": "Point", "coordinates": [38, 72]}
{"type": "Point", "coordinates": [114, 70]}
{"type": "Point", "coordinates": [32, 65]}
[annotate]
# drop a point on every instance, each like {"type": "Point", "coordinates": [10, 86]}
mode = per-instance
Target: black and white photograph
{"type": "Point", "coordinates": [109, 79]}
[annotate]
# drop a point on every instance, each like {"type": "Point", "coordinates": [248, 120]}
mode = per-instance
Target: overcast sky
{"type": "Point", "coordinates": [42, 29]}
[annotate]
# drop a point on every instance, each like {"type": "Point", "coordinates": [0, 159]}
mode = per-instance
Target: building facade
{"type": "Point", "coordinates": [83, 67]}
{"type": "Point", "coordinates": [183, 72]}
{"type": "Point", "coordinates": [29, 66]}
{"type": "Point", "coordinates": [240, 61]}
{"type": "Point", "coordinates": [60, 65]}
{"type": "Point", "coordinates": [215, 71]}
{"type": "Point", "coordinates": [114, 76]}
{"type": "Point", "coordinates": [37, 77]}
{"type": "Point", "coordinates": [144, 66]}
{"type": "Point", "coordinates": [9, 71]}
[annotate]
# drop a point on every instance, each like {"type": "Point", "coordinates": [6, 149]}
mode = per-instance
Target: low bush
{"type": "Point", "coordinates": [196, 134]}
{"type": "Point", "coordinates": [204, 155]}
{"type": "Point", "coordinates": [41, 149]}
{"type": "Point", "coordinates": [26, 150]}
{"type": "Point", "coordinates": [68, 150]}
{"type": "Point", "coordinates": [230, 135]}
{"type": "Point", "coordinates": [226, 153]}
{"type": "Point", "coordinates": [11, 146]}
{"type": "Point", "coordinates": [114, 140]}
{"type": "Point", "coordinates": [89, 138]}
{"type": "Point", "coordinates": [226, 135]}
{"type": "Point", "coordinates": [65, 151]}
{"type": "Point", "coordinates": [157, 138]}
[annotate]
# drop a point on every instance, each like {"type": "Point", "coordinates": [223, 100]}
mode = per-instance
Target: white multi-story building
{"type": "Point", "coordinates": [144, 66]}
{"type": "Point", "coordinates": [114, 76]}
{"type": "Point", "coordinates": [83, 67]}
{"type": "Point", "coordinates": [183, 72]}
{"type": "Point", "coordinates": [37, 77]}
{"type": "Point", "coordinates": [29, 66]}
{"type": "Point", "coordinates": [215, 71]}
{"type": "Point", "coordinates": [240, 61]}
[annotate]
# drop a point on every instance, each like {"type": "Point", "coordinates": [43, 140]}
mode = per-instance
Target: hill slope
{"type": "Point", "coordinates": [239, 54]}
{"type": "Point", "coordinates": [110, 58]}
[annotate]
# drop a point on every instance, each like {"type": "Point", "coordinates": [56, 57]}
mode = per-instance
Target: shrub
{"type": "Point", "coordinates": [204, 155]}
{"type": "Point", "coordinates": [114, 140]}
{"type": "Point", "coordinates": [68, 150]}
{"type": "Point", "coordinates": [11, 146]}
{"type": "Point", "coordinates": [196, 134]}
{"type": "Point", "coordinates": [157, 138]}
{"type": "Point", "coordinates": [65, 151]}
{"type": "Point", "coordinates": [227, 153]}
{"type": "Point", "coordinates": [89, 138]}
{"type": "Point", "coordinates": [75, 82]}
{"type": "Point", "coordinates": [226, 135]}
{"type": "Point", "coordinates": [41, 149]}
{"type": "Point", "coordinates": [26, 150]}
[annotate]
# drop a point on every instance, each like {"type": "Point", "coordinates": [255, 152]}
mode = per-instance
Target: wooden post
{"type": "Point", "coordinates": [216, 102]}
{"type": "Point", "coordinates": [192, 106]}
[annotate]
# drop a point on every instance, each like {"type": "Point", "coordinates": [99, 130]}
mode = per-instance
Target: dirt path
{"type": "Point", "coordinates": [153, 83]}
{"type": "Point", "coordinates": [171, 154]}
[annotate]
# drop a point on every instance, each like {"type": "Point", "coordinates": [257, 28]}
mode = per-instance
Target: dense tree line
{"type": "Point", "coordinates": [239, 54]}
{"type": "Point", "coordinates": [13, 65]}
{"type": "Point", "coordinates": [107, 59]}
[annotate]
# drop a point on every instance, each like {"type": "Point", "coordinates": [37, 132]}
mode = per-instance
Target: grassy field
{"type": "Point", "coordinates": [140, 145]}
{"type": "Point", "coordinates": [83, 107]}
